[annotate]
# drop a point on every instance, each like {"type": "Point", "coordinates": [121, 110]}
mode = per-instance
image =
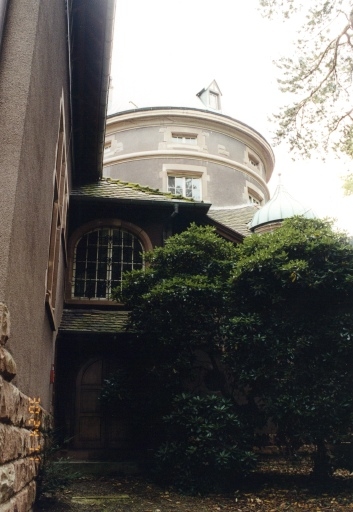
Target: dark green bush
{"type": "Point", "coordinates": [207, 447]}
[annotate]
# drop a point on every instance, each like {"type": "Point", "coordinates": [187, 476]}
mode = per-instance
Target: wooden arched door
{"type": "Point", "coordinates": [97, 426]}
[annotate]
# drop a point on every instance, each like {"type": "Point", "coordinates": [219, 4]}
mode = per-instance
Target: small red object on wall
{"type": "Point", "coordinates": [52, 374]}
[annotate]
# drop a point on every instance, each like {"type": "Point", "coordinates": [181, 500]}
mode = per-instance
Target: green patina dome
{"type": "Point", "coordinates": [281, 206]}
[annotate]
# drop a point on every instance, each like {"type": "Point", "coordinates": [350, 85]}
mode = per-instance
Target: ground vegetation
{"type": "Point", "coordinates": [277, 485]}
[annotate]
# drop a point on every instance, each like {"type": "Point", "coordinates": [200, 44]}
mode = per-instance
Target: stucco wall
{"type": "Point", "coordinates": [33, 78]}
{"type": "Point", "coordinates": [230, 156]}
{"type": "Point", "coordinates": [225, 184]}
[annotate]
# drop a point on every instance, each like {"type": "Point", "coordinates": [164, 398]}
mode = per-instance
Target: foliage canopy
{"type": "Point", "coordinates": [266, 325]}
{"type": "Point", "coordinates": [181, 301]}
{"type": "Point", "coordinates": [294, 337]}
{"type": "Point", "coordinates": [317, 78]}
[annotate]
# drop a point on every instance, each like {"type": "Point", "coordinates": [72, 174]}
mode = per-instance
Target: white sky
{"type": "Point", "coordinates": [165, 52]}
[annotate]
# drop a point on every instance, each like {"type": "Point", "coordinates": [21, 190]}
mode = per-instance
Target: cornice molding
{"type": "Point", "coordinates": [163, 116]}
{"type": "Point", "coordinates": [194, 155]}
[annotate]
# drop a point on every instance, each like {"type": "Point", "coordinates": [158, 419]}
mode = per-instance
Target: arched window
{"type": "Point", "coordinates": [100, 258]}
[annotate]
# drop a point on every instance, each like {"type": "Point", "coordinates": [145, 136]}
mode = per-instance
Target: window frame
{"type": "Point", "coordinates": [184, 177]}
{"type": "Point", "coordinates": [183, 131]}
{"type": "Point", "coordinates": [253, 199]}
{"type": "Point", "coordinates": [58, 230]}
{"type": "Point", "coordinates": [254, 196]}
{"type": "Point", "coordinates": [139, 233]}
{"type": "Point", "coordinates": [183, 138]}
{"type": "Point", "coordinates": [253, 161]}
{"type": "Point", "coordinates": [190, 171]}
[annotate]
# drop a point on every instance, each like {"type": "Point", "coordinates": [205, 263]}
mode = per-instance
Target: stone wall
{"type": "Point", "coordinates": [22, 423]}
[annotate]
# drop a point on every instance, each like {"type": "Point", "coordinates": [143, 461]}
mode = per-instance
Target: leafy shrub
{"type": "Point", "coordinates": [116, 390]}
{"type": "Point", "coordinates": [55, 473]}
{"type": "Point", "coordinates": [208, 447]}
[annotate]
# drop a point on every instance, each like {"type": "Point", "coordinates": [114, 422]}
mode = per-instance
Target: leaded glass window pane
{"type": "Point", "coordinates": [100, 258]}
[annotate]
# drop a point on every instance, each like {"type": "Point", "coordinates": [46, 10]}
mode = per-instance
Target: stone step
{"type": "Point", "coordinates": [103, 501]}
{"type": "Point", "coordinates": [103, 468]}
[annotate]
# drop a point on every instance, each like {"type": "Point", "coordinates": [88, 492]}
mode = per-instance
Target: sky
{"type": "Point", "coordinates": [164, 53]}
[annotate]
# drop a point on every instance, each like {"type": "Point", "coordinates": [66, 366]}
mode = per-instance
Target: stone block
{"type": "Point", "coordinates": [14, 405]}
{"type": "Point", "coordinates": [7, 482]}
{"type": "Point", "coordinates": [15, 443]}
{"type": "Point", "coordinates": [15, 476]}
{"type": "Point", "coordinates": [25, 471]}
{"type": "Point", "coordinates": [4, 323]}
{"type": "Point", "coordinates": [7, 364]}
{"type": "Point", "coordinates": [22, 501]}
{"type": "Point", "coordinates": [18, 439]}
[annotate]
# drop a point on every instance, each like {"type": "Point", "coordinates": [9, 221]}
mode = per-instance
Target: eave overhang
{"type": "Point", "coordinates": [93, 321]}
{"type": "Point", "coordinates": [91, 37]}
{"type": "Point", "coordinates": [201, 207]}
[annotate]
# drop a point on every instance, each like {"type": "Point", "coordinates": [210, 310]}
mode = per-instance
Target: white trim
{"type": "Point", "coordinates": [145, 155]}
{"type": "Point", "coordinates": [192, 171]}
{"type": "Point", "coordinates": [226, 125]}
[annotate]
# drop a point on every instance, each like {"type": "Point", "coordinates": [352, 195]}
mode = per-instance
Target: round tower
{"type": "Point", "coordinates": [199, 154]}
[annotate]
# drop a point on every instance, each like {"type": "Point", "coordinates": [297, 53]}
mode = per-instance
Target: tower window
{"type": "Point", "coordinates": [254, 200]}
{"type": "Point", "coordinates": [184, 139]}
{"type": "Point", "coordinates": [185, 186]}
{"type": "Point", "coordinates": [254, 161]}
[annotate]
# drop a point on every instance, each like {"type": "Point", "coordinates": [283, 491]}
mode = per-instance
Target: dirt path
{"type": "Point", "coordinates": [275, 488]}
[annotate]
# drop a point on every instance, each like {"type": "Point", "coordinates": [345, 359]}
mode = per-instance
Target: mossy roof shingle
{"type": "Point", "coordinates": [93, 320]}
{"type": "Point", "coordinates": [236, 218]}
{"type": "Point", "coordinates": [115, 189]}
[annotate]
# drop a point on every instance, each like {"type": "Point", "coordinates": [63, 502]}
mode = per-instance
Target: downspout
{"type": "Point", "coordinates": [3, 9]}
{"type": "Point", "coordinates": [168, 225]}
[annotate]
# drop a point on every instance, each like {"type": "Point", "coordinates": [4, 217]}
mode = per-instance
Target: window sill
{"type": "Point", "coordinates": [92, 302]}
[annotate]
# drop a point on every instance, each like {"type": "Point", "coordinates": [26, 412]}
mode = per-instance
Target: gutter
{"type": "Point", "coordinates": [144, 202]}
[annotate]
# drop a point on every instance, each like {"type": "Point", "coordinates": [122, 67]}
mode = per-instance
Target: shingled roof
{"type": "Point", "coordinates": [93, 320]}
{"type": "Point", "coordinates": [107, 188]}
{"type": "Point", "coordinates": [236, 218]}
